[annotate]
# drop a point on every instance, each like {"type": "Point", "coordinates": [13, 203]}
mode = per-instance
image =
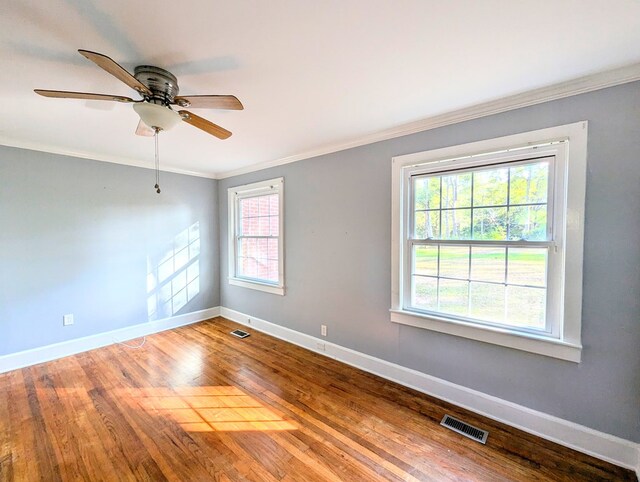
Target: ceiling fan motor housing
{"type": "Point", "coordinates": [162, 83]}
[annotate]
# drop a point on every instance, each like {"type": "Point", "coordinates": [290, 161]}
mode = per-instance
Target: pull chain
{"type": "Point", "coordinates": [157, 186]}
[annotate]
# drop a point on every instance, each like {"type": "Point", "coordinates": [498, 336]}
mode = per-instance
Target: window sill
{"type": "Point", "coordinates": [255, 285]}
{"type": "Point", "coordinates": [520, 341]}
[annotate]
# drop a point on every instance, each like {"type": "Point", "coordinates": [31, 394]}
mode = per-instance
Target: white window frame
{"type": "Point", "coordinates": [568, 144]}
{"type": "Point", "coordinates": [234, 195]}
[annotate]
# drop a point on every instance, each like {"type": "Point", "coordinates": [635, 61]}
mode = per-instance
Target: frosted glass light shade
{"type": "Point", "coordinates": [156, 115]}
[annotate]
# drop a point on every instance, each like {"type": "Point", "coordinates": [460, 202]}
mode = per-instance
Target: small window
{"type": "Point", "coordinates": [255, 236]}
{"type": "Point", "coordinates": [482, 246]}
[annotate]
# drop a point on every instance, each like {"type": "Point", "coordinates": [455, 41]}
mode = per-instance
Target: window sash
{"type": "Point", "coordinates": [502, 160]}
{"type": "Point", "coordinates": [548, 329]}
{"type": "Point", "coordinates": [487, 165]}
{"type": "Point", "coordinates": [238, 257]}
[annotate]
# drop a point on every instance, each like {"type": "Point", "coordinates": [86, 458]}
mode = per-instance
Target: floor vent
{"type": "Point", "coordinates": [240, 333]}
{"type": "Point", "coordinates": [465, 429]}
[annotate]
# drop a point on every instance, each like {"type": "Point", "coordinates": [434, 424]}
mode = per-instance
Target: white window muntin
{"type": "Point", "coordinates": [235, 195]}
{"type": "Point", "coordinates": [524, 156]}
{"type": "Point", "coordinates": [569, 186]}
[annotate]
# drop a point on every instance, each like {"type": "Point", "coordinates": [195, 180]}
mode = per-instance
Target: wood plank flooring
{"type": "Point", "coordinates": [196, 404]}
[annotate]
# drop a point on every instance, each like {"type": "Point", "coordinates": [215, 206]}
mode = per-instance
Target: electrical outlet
{"type": "Point", "coordinates": [249, 321]}
{"type": "Point", "coordinates": [323, 330]}
{"type": "Point", "coordinates": [321, 346]}
{"type": "Point", "coordinates": [67, 320]}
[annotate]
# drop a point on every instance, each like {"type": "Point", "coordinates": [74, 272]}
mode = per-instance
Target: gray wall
{"type": "Point", "coordinates": [76, 236]}
{"type": "Point", "coordinates": [338, 251]}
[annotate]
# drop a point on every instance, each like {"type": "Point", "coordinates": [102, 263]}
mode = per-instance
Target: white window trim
{"type": "Point", "coordinates": [233, 195]}
{"type": "Point", "coordinates": [568, 345]}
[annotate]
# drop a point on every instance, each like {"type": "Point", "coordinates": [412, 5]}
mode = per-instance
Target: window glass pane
{"type": "Point", "coordinates": [274, 225]}
{"type": "Point", "coordinates": [490, 187]}
{"type": "Point", "coordinates": [528, 222]}
{"type": "Point", "coordinates": [427, 224]}
{"type": "Point", "coordinates": [262, 248]}
{"type": "Point", "coordinates": [527, 266]}
{"type": "Point", "coordinates": [529, 183]}
{"type": "Point", "coordinates": [433, 224]}
{"type": "Point", "coordinates": [247, 267]}
{"type": "Point", "coordinates": [488, 264]}
{"type": "Point", "coordinates": [490, 223]}
{"type": "Point", "coordinates": [247, 247]}
{"type": "Point", "coordinates": [420, 225]}
{"type": "Point", "coordinates": [526, 307]}
{"type": "Point", "coordinates": [456, 224]}
{"type": "Point", "coordinates": [273, 270]}
{"type": "Point", "coordinates": [248, 207]}
{"type": "Point", "coordinates": [424, 293]}
{"type": "Point", "coordinates": [454, 261]}
{"type": "Point", "coordinates": [263, 268]}
{"type": "Point", "coordinates": [264, 226]}
{"type": "Point", "coordinates": [272, 249]}
{"type": "Point", "coordinates": [258, 258]}
{"type": "Point", "coordinates": [274, 205]}
{"type": "Point", "coordinates": [453, 297]}
{"type": "Point", "coordinates": [426, 193]}
{"type": "Point", "coordinates": [456, 190]}
{"type": "Point", "coordinates": [487, 302]}
{"type": "Point", "coordinates": [425, 260]}
{"type": "Point", "coordinates": [249, 226]}
{"type": "Point", "coordinates": [263, 205]}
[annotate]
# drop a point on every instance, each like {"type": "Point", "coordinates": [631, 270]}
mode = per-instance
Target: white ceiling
{"type": "Point", "coordinates": [310, 73]}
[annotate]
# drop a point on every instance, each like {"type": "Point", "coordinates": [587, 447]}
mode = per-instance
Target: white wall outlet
{"type": "Point", "coordinates": [321, 346]}
{"type": "Point", "coordinates": [67, 320]}
{"type": "Point", "coordinates": [323, 330]}
{"type": "Point", "coordinates": [249, 321]}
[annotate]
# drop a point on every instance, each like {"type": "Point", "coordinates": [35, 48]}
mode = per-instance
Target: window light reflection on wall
{"type": "Point", "coordinates": [173, 279]}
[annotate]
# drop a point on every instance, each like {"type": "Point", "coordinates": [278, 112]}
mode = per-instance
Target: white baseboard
{"type": "Point", "coordinates": [71, 347]}
{"type": "Point", "coordinates": [578, 437]}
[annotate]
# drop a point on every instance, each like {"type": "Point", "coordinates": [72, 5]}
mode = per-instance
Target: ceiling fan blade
{"type": "Point", "coordinates": [116, 70]}
{"type": "Point", "coordinates": [229, 102]}
{"type": "Point", "coordinates": [204, 124]}
{"type": "Point", "coordinates": [144, 130]}
{"type": "Point", "coordinates": [63, 94]}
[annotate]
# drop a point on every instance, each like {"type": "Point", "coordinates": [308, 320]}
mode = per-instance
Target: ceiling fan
{"type": "Point", "coordinates": [159, 91]}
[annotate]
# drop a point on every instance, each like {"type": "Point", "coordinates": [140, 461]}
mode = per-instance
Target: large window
{"type": "Point", "coordinates": [484, 248]}
{"type": "Point", "coordinates": [255, 236]}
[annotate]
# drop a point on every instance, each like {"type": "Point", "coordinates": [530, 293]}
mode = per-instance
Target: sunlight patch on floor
{"type": "Point", "coordinates": [211, 409]}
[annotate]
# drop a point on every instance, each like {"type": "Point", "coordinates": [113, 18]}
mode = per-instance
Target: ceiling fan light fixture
{"type": "Point", "coordinates": [157, 115]}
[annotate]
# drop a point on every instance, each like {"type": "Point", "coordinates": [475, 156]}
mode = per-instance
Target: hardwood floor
{"type": "Point", "coordinates": [196, 404]}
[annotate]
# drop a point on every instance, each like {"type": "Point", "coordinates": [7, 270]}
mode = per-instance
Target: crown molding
{"type": "Point", "coordinates": [126, 161]}
{"type": "Point", "coordinates": [580, 85]}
